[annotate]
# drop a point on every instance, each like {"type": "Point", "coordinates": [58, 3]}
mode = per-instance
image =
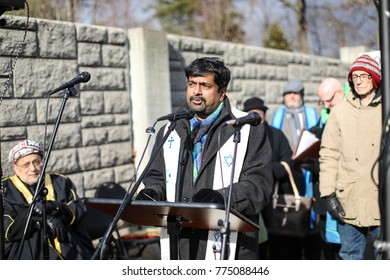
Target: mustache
{"type": "Point", "coordinates": [197, 98]}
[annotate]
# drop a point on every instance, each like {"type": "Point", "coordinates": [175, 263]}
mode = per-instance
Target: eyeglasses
{"type": "Point", "coordinates": [36, 163]}
{"type": "Point", "coordinates": [322, 103]}
{"type": "Point", "coordinates": [363, 77]}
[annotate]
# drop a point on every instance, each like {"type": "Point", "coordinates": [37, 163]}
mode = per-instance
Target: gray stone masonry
{"type": "Point", "coordinates": [136, 75]}
{"type": "Point", "coordinates": [93, 142]}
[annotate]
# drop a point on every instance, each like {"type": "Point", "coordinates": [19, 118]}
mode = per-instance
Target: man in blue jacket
{"type": "Point", "coordinates": [294, 116]}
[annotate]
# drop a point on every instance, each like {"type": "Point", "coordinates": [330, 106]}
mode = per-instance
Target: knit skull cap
{"type": "Point", "coordinates": [367, 64]}
{"type": "Point", "coordinates": [294, 86]}
{"type": "Point", "coordinates": [24, 148]}
{"type": "Point", "coordinates": [254, 103]}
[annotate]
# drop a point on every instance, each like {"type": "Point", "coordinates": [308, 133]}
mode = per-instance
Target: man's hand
{"type": "Point", "coordinates": [51, 207]}
{"type": "Point", "coordinates": [209, 196]}
{"type": "Point", "coordinates": [58, 229]}
{"type": "Point", "coordinates": [334, 208]}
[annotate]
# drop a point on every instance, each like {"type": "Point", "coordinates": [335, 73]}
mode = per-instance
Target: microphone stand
{"type": "Point", "coordinates": [384, 176]}
{"type": "Point", "coordinates": [225, 225]}
{"type": "Point", "coordinates": [41, 191]}
{"type": "Point", "coordinates": [128, 196]}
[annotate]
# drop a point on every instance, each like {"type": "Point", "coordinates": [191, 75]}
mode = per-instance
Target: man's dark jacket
{"type": "Point", "coordinates": [249, 195]}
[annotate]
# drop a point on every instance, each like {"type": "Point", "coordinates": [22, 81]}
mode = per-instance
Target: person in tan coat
{"type": "Point", "coordinates": [349, 149]}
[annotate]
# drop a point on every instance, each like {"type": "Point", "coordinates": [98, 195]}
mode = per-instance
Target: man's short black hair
{"type": "Point", "coordinates": [205, 65]}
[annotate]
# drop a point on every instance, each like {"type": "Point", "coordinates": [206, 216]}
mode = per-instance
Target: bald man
{"type": "Point", "coordinates": [330, 92]}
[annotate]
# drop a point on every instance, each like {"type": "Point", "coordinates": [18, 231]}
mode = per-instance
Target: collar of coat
{"type": "Point", "coordinates": [354, 100]}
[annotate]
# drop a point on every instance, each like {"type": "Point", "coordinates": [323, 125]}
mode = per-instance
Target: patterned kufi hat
{"type": "Point", "coordinates": [24, 148]}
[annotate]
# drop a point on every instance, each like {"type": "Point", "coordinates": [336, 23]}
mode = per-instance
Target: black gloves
{"type": "Point", "coordinates": [55, 209]}
{"type": "Point", "coordinates": [149, 194]}
{"type": "Point", "coordinates": [52, 207]}
{"type": "Point", "coordinates": [208, 195]}
{"type": "Point", "coordinates": [58, 216]}
{"type": "Point", "coordinates": [57, 229]}
{"type": "Point", "coordinates": [334, 208]}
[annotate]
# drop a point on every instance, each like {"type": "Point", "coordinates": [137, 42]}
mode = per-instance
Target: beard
{"type": "Point", "coordinates": [295, 106]}
{"type": "Point", "coordinates": [197, 108]}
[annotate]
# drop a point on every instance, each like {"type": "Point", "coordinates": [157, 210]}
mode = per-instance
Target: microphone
{"type": "Point", "coordinates": [186, 114]}
{"type": "Point", "coordinates": [81, 78]}
{"type": "Point", "coordinates": [252, 118]}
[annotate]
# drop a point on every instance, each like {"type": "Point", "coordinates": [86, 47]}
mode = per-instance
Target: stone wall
{"type": "Point", "coordinates": [136, 76]}
{"type": "Point", "coordinates": [93, 142]}
{"type": "Point", "coordinates": [255, 71]}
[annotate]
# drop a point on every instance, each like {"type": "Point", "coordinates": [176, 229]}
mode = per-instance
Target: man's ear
{"type": "Point", "coordinates": [222, 94]}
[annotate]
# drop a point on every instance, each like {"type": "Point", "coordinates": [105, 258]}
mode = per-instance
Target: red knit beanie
{"type": "Point", "coordinates": [367, 64]}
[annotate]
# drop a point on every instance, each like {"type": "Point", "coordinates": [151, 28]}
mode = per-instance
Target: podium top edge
{"type": "Point", "coordinates": [114, 201]}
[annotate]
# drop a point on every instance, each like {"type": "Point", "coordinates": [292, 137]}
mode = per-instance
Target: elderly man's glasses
{"type": "Point", "coordinates": [363, 77]}
{"type": "Point", "coordinates": [322, 103]}
{"type": "Point", "coordinates": [36, 163]}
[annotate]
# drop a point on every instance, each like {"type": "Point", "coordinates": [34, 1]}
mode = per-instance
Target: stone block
{"type": "Point", "coordinates": [121, 119]}
{"type": "Point", "coordinates": [19, 22]}
{"type": "Point", "coordinates": [71, 110]}
{"type": "Point", "coordinates": [116, 102]}
{"type": "Point", "coordinates": [16, 112]}
{"type": "Point", "coordinates": [37, 77]}
{"type": "Point", "coordinates": [97, 121]}
{"type": "Point", "coordinates": [116, 36]}
{"type": "Point", "coordinates": [89, 157]}
{"type": "Point", "coordinates": [115, 56]}
{"type": "Point", "coordinates": [124, 173]}
{"type": "Point", "coordinates": [89, 54]}
{"type": "Point", "coordinates": [115, 154]}
{"type": "Point", "coordinates": [5, 65]}
{"type": "Point", "coordinates": [91, 33]}
{"type": "Point", "coordinates": [189, 44]}
{"type": "Point", "coordinates": [94, 136]}
{"type": "Point", "coordinates": [12, 43]}
{"type": "Point", "coordinates": [94, 178]}
{"type": "Point", "coordinates": [105, 79]}
{"type": "Point", "coordinates": [13, 133]}
{"type": "Point", "coordinates": [119, 134]}
{"type": "Point", "coordinates": [63, 161]}
{"type": "Point", "coordinates": [68, 135]}
{"type": "Point", "coordinates": [92, 103]}
{"type": "Point", "coordinates": [57, 39]}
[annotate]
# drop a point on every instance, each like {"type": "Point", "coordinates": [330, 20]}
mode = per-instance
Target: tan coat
{"type": "Point", "coordinates": [349, 149]}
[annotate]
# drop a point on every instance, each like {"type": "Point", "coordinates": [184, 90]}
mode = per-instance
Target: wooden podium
{"type": "Point", "coordinates": [174, 215]}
